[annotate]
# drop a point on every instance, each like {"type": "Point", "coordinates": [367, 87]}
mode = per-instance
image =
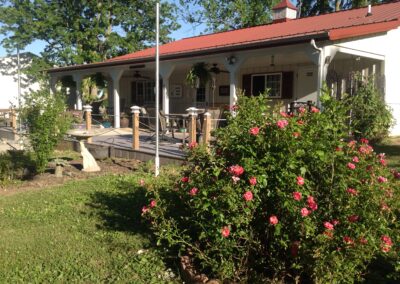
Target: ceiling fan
{"type": "Point", "coordinates": [216, 70]}
{"type": "Point", "coordinates": [137, 75]}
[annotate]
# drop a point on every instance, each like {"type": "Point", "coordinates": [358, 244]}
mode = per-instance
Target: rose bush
{"type": "Point", "coordinates": [284, 197]}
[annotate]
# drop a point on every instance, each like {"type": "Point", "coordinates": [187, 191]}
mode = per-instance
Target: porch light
{"type": "Point", "coordinates": [231, 60]}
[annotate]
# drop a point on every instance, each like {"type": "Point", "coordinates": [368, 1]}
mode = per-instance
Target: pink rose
{"type": "Point", "coordinates": [396, 175]}
{"type": "Point", "coordinates": [254, 131]}
{"type": "Point", "coordinates": [235, 179]}
{"type": "Point", "coordinates": [301, 110]}
{"type": "Point", "coordinates": [353, 218]}
{"type": "Point", "coordinates": [328, 225]}
{"type": "Point", "coordinates": [141, 182]}
{"type": "Point", "coordinates": [352, 191]}
{"type": "Point", "coordinates": [300, 180]}
{"type": "Point", "coordinates": [335, 222]}
{"type": "Point", "coordinates": [364, 141]}
{"type": "Point", "coordinates": [296, 134]}
{"type": "Point", "coordinates": [193, 191]}
{"type": "Point", "coordinates": [347, 240]}
{"type": "Point", "coordinates": [363, 241]}
{"type": "Point", "coordinates": [296, 195]}
{"type": "Point", "coordinates": [145, 209]}
{"type": "Point", "coordinates": [192, 145]}
{"type": "Point", "coordinates": [382, 162]}
{"type": "Point", "coordinates": [283, 114]}
{"type": "Point", "coordinates": [236, 170]}
{"type": "Point", "coordinates": [351, 166]}
{"type": "Point", "coordinates": [282, 123]}
{"type": "Point", "coordinates": [248, 196]}
{"type": "Point", "coordinates": [382, 179]}
{"type": "Point", "coordinates": [185, 179]}
{"type": "Point", "coordinates": [356, 159]}
{"type": "Point", "coordinates": [311, 203]}
{"type": "Point", "coordinates": [386, 243]}
{"type": "Point", "coordinates": [253, 180]}
{"type": "Point", "coordinates": [153, 203]}
{"type": "Point", "coordinates": [305, 212]}
{"type": "Point", "coordinates": [365, 149]}
{"type": "Point", "coordinates": [273, 220]}
{"type": "Point", "coordinates": [300, 122]}
{"type": "Point", "coordinates": [351, 143]}
{"type": "Point", "coordinates": [225, 231]}
{"type": "Point", "coordinates": [338, 149]}
{"type": "Point", "coordinates": [314, 109]}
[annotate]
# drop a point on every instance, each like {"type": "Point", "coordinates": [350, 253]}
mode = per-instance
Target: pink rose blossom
{"type": "Point", "coordinates": [185, 179]}
{"type": "Point", "coordinates": [235, 179]}
{"type": "Point", "coordinates": [382, 162]}
{"type": "Point", "coordinates": [248, 196]}
{"type": "Point", "coordinates": [296, 195]}
{"type": "Point", "coordinates": [225, 231]}
{"type": "Point", "coordinates": [385, 248]}
{"type": "Point", "coordinates": [141, 182]}
{"type": "Point", "coordinates": [382, 179]}
{"type": "Point", "coordinates": [296, 134]}
{"type": "Point", "coordinates": [352, 191]}
{"type": "Point", "coordinates": [338, 149]}
{"type": "Point", "coordinates": [300, 122]}
{"type": "Point", "coordinates": [335, 222]}
{"type": "Point", "coordinates": [145, 209]}
{"type": "Point", "coordinates": [193, 191]}
{"type": "Point", "coordinates": [192, 145]}
{"type": "Point", "coordinates": [254, 131]}
{"type": "Point", "coordinates": [328, 225]}
{"type": "Point", "coordinates": [363, 241]}
{"type": "Point", "coordinates": [365, 149]}
{"type": "Point", "coordinates": [300, 180]}
{"type": "Point", "coordinates": [311, 203]}
{"type": "Point", "coordinates": [283, 114]}
{"type": "Point", "coordinates": [273, 220]}
{"type": "Point", "coordinates": [396, 175]}
{"type": "Point", "coordinates": [364, 141]}
{"type": "Point", "coordinates": [353, 218]}
{"type": "Point", "coordinates": [282, 123]}
{"type": "Point", "coordinates": [356, 159]}
{"type": "Point", "coordinates": [253, 180]}
{"type": "Point", "coordinates": [386, 243]}
{"type": "Point", "coordinates": [314, 109]}
{"type": "Point", "coordinates": [347, 240]}
{"type": "Point", "coordinates": [385, 207]}
{"type": "Point", "coordinates": [351, 143]}
{"type": "Point", "coordinates": [329, 234]}
{"type": "Point", "coordinates": [302, 110]}
{"type": "Point", "coordinates": [305, 212]}
{"type": "Point", "coordinates": [351, 166]}
{"type": "Point", "coordinates": [153, 203]}
{"type": "Point", "coordinates": [236, 170]}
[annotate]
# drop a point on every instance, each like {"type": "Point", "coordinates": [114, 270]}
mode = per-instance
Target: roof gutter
{"type": "Point", "coordinates": [233, 48]}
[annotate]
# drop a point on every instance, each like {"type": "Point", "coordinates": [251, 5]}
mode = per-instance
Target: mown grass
{"type": "Point", "coordinates": [88, 232]}
{"type": "Point", "coordinates": [391, 147]}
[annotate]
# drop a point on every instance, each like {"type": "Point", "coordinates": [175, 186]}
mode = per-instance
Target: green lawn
{"type": "Point", "coordinates": [391, 147]}
{"type": "Point", "coordinates": [87, 232]}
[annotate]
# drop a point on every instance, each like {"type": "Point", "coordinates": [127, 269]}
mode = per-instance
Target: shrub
{"type": "Point", "coordinates": [370, 116]}
{"type": "Point", "coordinates": [47, 123]}
{"type": "Point", "coordinates": [283, 197]}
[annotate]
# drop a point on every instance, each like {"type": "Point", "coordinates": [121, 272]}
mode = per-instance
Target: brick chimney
{"type": "Point", "coordinates": [284, 11]}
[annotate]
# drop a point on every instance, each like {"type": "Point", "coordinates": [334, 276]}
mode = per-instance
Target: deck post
{"type": "Point", "coordinates": [135, 110]}
{"type": "Point", "coordinates": [192, 111]}
{"type": "Point", "coordinates": [78, 91]}
{"type": "Point", "coordinates": [88, 117]}
{"type": "Point", "coordinates": [207, 128]}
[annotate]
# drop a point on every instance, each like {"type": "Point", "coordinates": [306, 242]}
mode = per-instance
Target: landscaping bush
{"type": "Point", "coordinates": [44, 114]}
{"type": "Point", "coordinates": [370, 116]}
{"type": "Point", "coordinates": [281, 197]}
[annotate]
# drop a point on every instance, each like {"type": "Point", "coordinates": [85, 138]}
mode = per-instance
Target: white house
{"type": "Point", "coordinates": [9, 79]}
{"type": "Point", "coordinates": [292, 57]}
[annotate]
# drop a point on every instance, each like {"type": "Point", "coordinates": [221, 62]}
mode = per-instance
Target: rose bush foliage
{"type": "Point", "coordinates": [282, 197]}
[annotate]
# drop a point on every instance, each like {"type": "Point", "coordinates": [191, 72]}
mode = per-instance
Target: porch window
{"type": "Point", "coordinates": [271, 81]}
{"type": "Point", "coordinates": [143, 93]}
{"type": "Point", "coordinates": [201, 95]}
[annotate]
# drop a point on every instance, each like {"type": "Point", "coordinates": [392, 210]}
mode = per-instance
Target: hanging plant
{"type": "Point", "coordinates": [198, 75]}
{"type": "Point", "coordinates": [94, 89]}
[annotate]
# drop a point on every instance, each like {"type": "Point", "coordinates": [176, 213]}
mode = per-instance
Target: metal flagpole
{"type": "Point", "coordinates": [157, 76]}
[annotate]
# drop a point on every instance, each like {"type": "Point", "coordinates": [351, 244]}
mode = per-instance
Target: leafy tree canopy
{"type": "Point", "coordinates": [83, 31]}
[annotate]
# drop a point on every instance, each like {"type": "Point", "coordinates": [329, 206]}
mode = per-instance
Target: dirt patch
{"type": "Point", "coordinates": [72, 171]}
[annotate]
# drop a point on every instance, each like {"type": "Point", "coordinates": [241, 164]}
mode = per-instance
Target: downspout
{"type": "Point", "coordinates": [320, 71]}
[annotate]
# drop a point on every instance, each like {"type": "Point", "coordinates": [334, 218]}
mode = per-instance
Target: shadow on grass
{"type": "Point", "coordinates": [120, 210]}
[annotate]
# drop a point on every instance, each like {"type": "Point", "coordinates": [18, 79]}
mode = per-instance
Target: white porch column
{"type": "Point", "coordinates": [165, 72]}
{"type": "Point", "coordinates": [78, 81]}
{"type": "Point", "coordinates": [53, 82]}
{"type": "Point", "coordinates": [233, 64]}
{"type": "Point", "coordinates": [116, 76]}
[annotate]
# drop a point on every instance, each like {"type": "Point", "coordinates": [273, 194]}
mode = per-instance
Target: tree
{"type": "Point", "coordinates": [83, 31]}
{"type": "Point", "coordinates": [221, 15]}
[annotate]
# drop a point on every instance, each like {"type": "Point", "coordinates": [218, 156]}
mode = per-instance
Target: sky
{"type": "Point", "coordinates": [185, 31]}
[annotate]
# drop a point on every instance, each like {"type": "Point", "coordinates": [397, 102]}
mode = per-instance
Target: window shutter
{"type": "Point", "coordinates": [246, 84]}
{"type": "Point", "coordinates": [287, 85]}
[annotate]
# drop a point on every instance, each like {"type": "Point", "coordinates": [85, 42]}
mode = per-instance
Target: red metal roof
{"type": "Point", "coordinates": [338, 25]}
{"type": "Point", "coordinates": [333, 26]}
{"type": "Point", "coordinates": [284, 4]}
